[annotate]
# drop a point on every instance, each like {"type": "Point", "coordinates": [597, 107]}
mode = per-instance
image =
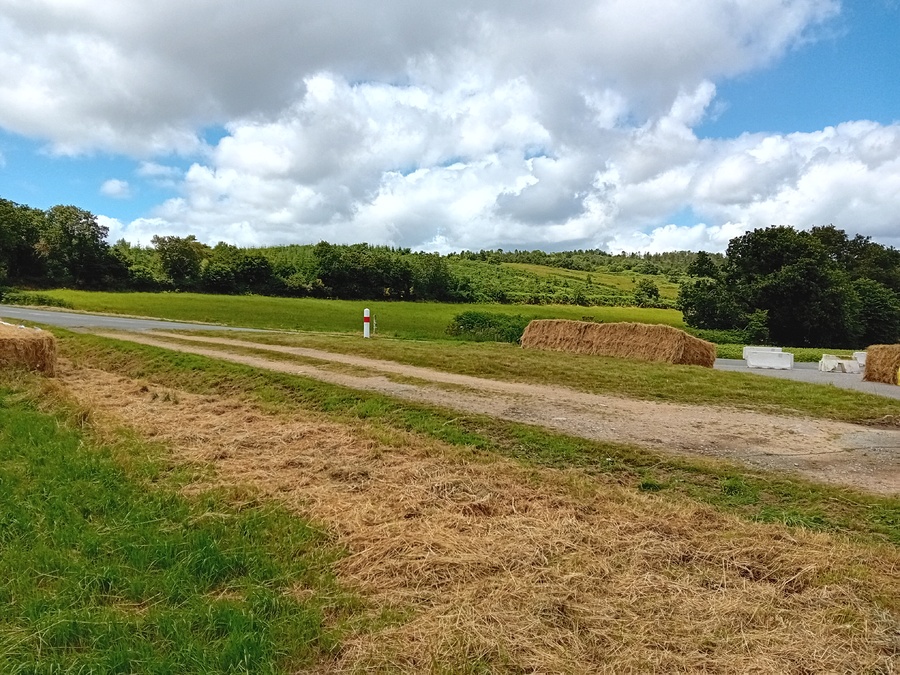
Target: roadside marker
{"type": "Point", "coordinates": [366, 321]}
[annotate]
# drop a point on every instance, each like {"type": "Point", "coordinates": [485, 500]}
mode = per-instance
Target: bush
{"type": "Point", "coordinates": [10, 297]}
{"type": "Point", "coordinates": [488, 326]}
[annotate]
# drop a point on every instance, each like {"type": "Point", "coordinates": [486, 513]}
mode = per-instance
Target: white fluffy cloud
{"type": "Point", "coordinates": [115, 188]}
{"type": "Point", "coordinates": [438, 125]}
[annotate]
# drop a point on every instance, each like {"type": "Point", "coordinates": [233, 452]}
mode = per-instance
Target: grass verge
{"type": "Point", "coordinates": [106, 567]}
{"type": "Point", "coordinates": [753, 495]}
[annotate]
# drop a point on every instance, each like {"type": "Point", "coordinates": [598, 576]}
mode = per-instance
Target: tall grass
{"type": "Point", "coordinates": [416, 320]}
{"type": "Point", "coordinates": [108, 569]}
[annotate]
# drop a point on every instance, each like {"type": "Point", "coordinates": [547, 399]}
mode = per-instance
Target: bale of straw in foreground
{"type": "Point", "coordinates": [27, 347]}
{"type": "Point", "coordinates": [882, 362]}
{"type": "Point", "coordinates": [626, 340]}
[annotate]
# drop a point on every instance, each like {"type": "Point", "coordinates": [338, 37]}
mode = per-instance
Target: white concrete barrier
{"type": "Point", "coordinates": [760, 349]}
{"type": "Point", "coordinates": [773, 360]}
{"type": "Point", "coordinates": [832, 364]}
{"type": "Point", "coordinates": [828, 363]}
{"type": "Point", "coordinates": [860, 358]}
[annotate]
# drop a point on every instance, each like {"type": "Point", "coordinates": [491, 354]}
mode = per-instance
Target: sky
{"type": "Point", "coordinates": [624, 125]}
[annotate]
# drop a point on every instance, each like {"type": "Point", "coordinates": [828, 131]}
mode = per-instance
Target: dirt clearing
{"type": "Point", "coordinates": [834, 452]}
{"type": "Point", "coordinates": [499, 568]}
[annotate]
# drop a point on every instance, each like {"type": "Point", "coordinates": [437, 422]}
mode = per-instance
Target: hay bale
{"type": "Point", "coordinates": [882, 363]}
{"type": "Point", "coordinates": [647, 342]}
{"type": "Point", "coordinates": [31, 348]}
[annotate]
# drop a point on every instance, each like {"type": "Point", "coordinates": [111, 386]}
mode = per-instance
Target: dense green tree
{"type": "Point", "coordinates": [703, 265]}
{"type": "Point", "coordinates": [74, 246]}
{"type": "Point", "coordinates": [646, 293]}
{"type": "Point", "coordinates": [879, 313]}
{"type": "Point", "coordinates": [181, 258]}
{"type": "Point", "coordinates": [20, 231]}
{"type": "Point", "coordinates": [709, 303]}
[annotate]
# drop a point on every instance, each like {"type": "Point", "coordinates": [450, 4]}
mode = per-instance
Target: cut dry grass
{"type": "Point", "coordinates": [645, 342]}
{"type": "Point", "coordinates": [505, 568]}
{"type": "Point", "coordinates": [883, 364]}
{"type": "Point", "coordinates": [29, 348]}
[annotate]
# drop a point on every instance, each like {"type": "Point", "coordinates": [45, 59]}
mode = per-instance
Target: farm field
{"type": "Point", "coordinates": [478, 545]}
{"type": "Point", "coordinates": [621, 281]}
{"type": "Point", "coordinates": [411, 320]}
{"type": "Point", "coordinates": [455, 540]}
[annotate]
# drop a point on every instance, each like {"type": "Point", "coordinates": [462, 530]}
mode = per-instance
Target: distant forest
{"type": "Point", "coordinates": [65, 246]}
{"type": "Point", "coordinates": [773, 285]}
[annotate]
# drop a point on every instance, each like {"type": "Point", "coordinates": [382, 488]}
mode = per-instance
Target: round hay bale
{"type": "Point", "coordinates": [647, 342]}
{"type": "Point", "coordinates": [30, 348]}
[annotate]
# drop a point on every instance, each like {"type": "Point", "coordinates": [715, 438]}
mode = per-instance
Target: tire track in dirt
{"type": "Point", "coordinates": [823, 450]}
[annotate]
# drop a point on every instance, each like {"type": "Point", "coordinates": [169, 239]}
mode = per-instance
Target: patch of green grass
{"type": "Point", "coordinates": [623, 281]}
{"type": "Point", "coordinates": [105, 567]}
{"type": "Point", "coordinates": [753, 495]}
{"type": "Point", "coordinates": [416, 320]}
{"type": "Point", "coordinates": [600, 375]}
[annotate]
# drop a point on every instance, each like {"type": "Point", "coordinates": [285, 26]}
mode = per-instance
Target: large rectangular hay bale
{"type": "Point", "coordinates": [27, 347]}
{"type": "Point", "coordinates": [882, 363]}
{"type": "Point", "coordinates": [647, 342]}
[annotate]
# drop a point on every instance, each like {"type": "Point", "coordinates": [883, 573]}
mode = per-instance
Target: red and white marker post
{"type": "Point", "coordinates": [366, 322]}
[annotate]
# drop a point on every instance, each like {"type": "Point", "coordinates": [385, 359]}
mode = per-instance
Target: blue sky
{"type": "Point", "coordinates": [661, 125]}
{"type": "Point", "coordinates": [850, 73]}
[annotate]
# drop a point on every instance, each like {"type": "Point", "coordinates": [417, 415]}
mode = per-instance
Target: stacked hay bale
{"type": "Point", "coordinates": [882, 364]}
{"type": "Point", "coordinates": [31, 348]}
{"type": "Point", "coordinates": [626, 340]}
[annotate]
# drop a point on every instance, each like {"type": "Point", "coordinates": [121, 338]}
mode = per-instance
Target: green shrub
{"type": "Point", "coordinates": [488, 326]}
{"type": "Point", "coordinates": [11, 297]}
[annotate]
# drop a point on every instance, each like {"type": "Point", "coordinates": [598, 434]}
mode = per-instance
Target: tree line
{"type": "Point", "coordinates": [798, 288]}
{"type": "Point", "coordinates": [66, 246]}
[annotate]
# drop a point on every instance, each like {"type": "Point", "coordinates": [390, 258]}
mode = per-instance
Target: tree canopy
{"type": "Point", "coordinates": [816, 287]}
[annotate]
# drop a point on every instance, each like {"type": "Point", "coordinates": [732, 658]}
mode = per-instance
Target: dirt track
{"type": "Point", "coordinates": [834, 452]}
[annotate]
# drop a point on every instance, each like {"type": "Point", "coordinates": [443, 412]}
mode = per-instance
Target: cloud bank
{"type": "Point", "coordinates": [439, 126]}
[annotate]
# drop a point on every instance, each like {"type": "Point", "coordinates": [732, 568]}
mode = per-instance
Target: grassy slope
{"type": "Point", "coordinates": [625, 281]}
{"type": "Point", "coordinates": [399, 319]}
{"type": "Point", "coordinates": [106, 567]}
{"type": "Point", "coordinates": [753, 495]}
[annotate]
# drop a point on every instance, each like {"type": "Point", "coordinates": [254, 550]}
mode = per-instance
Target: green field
{"type": "Point", "coordinates": [415, 320]}
{"type": "Point", "coordinates": [622, 281]}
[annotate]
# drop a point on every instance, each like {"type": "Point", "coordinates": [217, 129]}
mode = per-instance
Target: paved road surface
{"type": "Point", "coordinates": [78, 320]}
{"type": "Point", "coordinates": [809, 372]}
{"type": "Point", "coordinates": [804, 372]}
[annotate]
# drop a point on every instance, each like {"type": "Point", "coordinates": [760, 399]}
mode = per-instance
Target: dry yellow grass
{"type": "Point", "coordinates": [514, 569]}
{"type": "Point", "coordinates": [882, 364]}
{"type": "Point", "coordinates": [31, 348]}
{"type": "Point", "coordinates": [648, 342]}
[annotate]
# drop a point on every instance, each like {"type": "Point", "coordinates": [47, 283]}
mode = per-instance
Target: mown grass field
{"type": "Point", "coordinates": [106, 567]}
{"type": "Point", "coordinates": [756, 495]}
{"type": "Point", "coordinates": [412, 320]}
{"type": "Point", "coordinates": [137, 577]}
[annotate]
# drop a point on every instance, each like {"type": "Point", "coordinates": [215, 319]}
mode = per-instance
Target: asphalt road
{"type": "Point", "coordinates": [803, 372]}
{"type": "Point", "coordinates": [107, 322]}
